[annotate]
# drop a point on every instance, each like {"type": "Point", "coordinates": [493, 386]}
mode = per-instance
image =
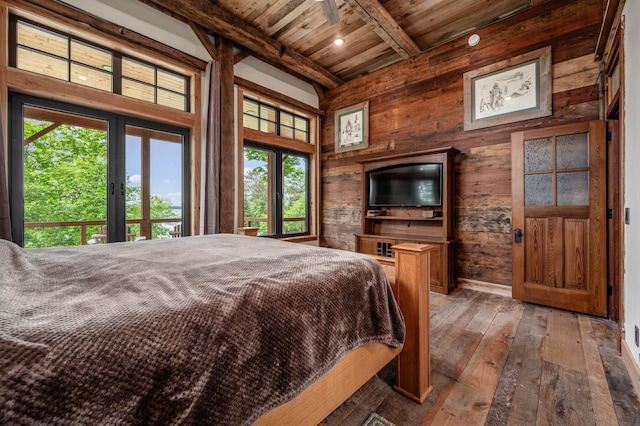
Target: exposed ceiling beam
{"type": "Point", "coordinates": [204, 38]}
{"type": "Point", "coordinates": [383, 24]}
{"type": "Point", "coordinates": [77, 16]}
{"type": "Point", "coordinates": [50, 128]}
{"type": "Point", "coordinates": [330, 11]}
{"type": "Point", "coordinates": [240, 56]}
{"type": "Point", "coordinates": [218, 20]}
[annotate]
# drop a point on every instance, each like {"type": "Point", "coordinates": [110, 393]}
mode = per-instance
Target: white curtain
{"type": "Point", "coordinates": [211, 139]}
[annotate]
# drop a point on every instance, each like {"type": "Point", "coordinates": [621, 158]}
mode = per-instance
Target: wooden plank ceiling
{"type": "Point", "coordinates": [295, 34]}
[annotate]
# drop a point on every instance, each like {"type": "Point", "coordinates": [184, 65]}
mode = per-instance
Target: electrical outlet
{"type": "Point", "coordinates": [627, 216]}
{"type": "Point", "coordinates": [637, 337]}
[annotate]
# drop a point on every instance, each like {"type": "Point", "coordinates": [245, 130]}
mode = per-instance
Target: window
{"type": "Point", "coordinates": [89, 176]}
{"type": "Point", "coordinates": [268, 119]}
{"type": "Point", "coordinates": [278, 162]}
{"type": "Point", "coordinates": [276, 191]}
{"type": "Point", "coordinates": [59, 56]}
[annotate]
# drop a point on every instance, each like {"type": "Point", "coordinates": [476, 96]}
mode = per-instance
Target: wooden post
{"type": "Point", "coordinates": [412, 285]}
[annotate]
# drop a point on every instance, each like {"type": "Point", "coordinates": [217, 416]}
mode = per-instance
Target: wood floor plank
{"type": "Point", "coordinates": [563, 343]}
{"type": "Point", "coordinates": [471, 396]}
{"type": "Point", "coordinates": [603, 411]}
{"type": "Point", "coordinates": [483, 376]}
{"type": "Point", "coordinates": [503, 398]}
{"type": "Point", "coordinates": [626, 401]}
{"type": "Point", "coordinates": [439, 318]}
{"type": "Point", "coordinates": [565, 398]}
{"type": "Point", "coordinates": [487, 312]}
{"type": "Point", "coordinates": [525, 399]}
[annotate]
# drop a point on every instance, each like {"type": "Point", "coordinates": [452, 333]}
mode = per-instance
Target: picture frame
{"type": "Point", "coordinates": [512, 90]}
{"type": "Point", "coordinates": [352, 127]}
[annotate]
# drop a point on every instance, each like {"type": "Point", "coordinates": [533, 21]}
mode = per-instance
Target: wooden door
{"type": "Point", "coordinates": [559, 217]}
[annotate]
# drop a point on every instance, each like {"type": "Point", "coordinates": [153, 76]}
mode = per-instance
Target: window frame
{"type": "Point", "coordinates": [116, 173]}
{"type": "Point", "coordinates": [276, 188]}
{"type": "Point", "coordinates": [117, 57]}
{"type": "Point", "coordinates": [275, 141]}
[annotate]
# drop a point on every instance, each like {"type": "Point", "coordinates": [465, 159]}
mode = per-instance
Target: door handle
{"type": "Point", "coordinates": [517, 235]}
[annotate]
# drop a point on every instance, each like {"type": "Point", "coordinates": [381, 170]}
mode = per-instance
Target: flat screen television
{"type": "Point", "coordinates": [407, 185]}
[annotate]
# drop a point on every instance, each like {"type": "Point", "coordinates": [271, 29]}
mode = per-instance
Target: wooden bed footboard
{"type": "Point", "coordinates": [408, 274]}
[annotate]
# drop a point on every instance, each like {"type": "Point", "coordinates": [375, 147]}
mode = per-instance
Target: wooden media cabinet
{"type": "Point", "coordinates": [384, 228]}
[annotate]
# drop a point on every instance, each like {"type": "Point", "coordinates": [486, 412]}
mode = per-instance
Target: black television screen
{"type": "Point", "coordinates": [409, 185]}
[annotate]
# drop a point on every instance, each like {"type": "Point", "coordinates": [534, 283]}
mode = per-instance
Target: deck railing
{"type": "Point", "coordinates": [256, 221]}
{"type": "Point", "coordinates": [83, 224]}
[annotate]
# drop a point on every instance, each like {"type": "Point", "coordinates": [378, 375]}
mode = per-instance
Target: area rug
{"type": "Point", "coordinates": [377, 420]}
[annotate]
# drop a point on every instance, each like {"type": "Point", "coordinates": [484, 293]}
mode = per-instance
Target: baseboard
{"type": "Point", "coordinates": [632, 366]}
{"type": "Point", "coordinates": [499, 289]}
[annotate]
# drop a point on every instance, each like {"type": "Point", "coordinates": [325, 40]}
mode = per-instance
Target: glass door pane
{"type": "Point", "coordinates": [294, 194]}
{"type": "Point", "coordinates": [557, 171]}
{"type": "Point", "coordinates": [65, 178]}
{"type": "Point", "coordinates": [154, 169]}
{"type": "Point", "coordinates": [258, 189]}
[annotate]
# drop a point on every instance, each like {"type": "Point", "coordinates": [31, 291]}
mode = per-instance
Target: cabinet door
{"type": "Point", "coordinates": [376, 246]}
{"type": "Point", "coordinates": [436, 266]}
{"type": "Point", "coordinates": [366, 245]}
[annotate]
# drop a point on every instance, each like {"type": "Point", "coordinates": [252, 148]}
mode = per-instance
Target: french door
{"type": "Point", "coordinates": [559, 217]}
{"type": "Point", "coordinates": [83, 176]}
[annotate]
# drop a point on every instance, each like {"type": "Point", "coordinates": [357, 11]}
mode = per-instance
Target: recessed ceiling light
{"type": "Point", "coordinates": [82, 77]}
{"type": "Point", "coordinates": [338, 42]}
{"type": "Point", "coordinates": [474, 39]}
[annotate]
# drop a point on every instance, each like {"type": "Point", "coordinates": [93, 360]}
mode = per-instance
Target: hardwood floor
{"type": "Point", "coordinates": [498, 361]}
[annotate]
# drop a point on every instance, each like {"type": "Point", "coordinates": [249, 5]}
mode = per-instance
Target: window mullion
{"type": "Point", "coordinates": [117, 73]}
{"type": "Point", "coordinates": [279, 193]}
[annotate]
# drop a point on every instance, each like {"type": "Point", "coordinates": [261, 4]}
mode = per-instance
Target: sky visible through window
{"type": "Point", "coordinates": [166, 168]}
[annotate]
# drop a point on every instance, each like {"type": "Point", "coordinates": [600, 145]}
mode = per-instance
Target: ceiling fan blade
{"type": "Point", "coordinates": [330, 11]}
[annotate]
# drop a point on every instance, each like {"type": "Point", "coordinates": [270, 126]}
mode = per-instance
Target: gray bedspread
{"type": "Point", "coordinates": [198, 330]}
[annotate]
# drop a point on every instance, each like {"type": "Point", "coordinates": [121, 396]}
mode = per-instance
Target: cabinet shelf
{"type": "Point", "coordinates": [402, 218]}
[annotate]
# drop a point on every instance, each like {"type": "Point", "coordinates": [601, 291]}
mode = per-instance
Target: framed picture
{"type": "Point", "coordinates": [352, 127]}
{"type": "Point", "coordinates": [512, 90]}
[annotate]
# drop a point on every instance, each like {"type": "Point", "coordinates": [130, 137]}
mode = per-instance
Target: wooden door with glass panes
{"type": "Point", "coordinates": [559, 217]}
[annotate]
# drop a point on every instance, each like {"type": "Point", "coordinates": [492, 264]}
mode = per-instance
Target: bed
{"type": "Point", "coordinates": [220, 329]}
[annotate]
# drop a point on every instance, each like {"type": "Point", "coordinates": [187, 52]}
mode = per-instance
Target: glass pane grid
{"type": "Point", "coordinates": [42, 63]}
{"type": "Point", "coordinates": [573, 188]}
{"type": "Point", "coordinates": [135, 70]}
{"type": "Point", "coordinates": [171, 99]}
{"type": "Point", "coordinates": [91, 77]}
{"type": "Point", "coordinates": [42, 40]}
{"type": "Point", "coordinates": [48, 53]}
{"type": "Point", "coordinates": [267, 113]}
{"type": "Point", "coordinates": [301, 136]}
{"type": "Point", "coordinates": [538, 155]}
{"type": "Point", "coordinates": [137, 90]}
{"type": "Point", "coordinates": [572, 151]}
{"type": "Point", "coordinates": [557, 171]}
{"type": "Point", "coordinates": [251, 122]}
{"type": "Point", "coordinates": [172, 82]}
{"type": "Point", "coordinates": [85, 54]}
{"type": "Point", "coordinates": [269, 119]}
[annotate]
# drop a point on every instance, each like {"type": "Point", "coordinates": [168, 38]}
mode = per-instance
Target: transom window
{"type": "Point", "coordinates": [56, 55]}
{"type": "Point", "coordinates": [268, 119]}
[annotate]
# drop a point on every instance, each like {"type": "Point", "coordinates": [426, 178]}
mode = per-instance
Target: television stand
{"type": "Point", "coordinates": [395, 225]}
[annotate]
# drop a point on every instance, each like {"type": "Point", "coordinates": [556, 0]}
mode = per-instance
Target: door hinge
{"type": "Point", "coordinates": [609, 135]}
{"type": "Point", "coordinates": [609, 213]}
{"type": "Point", "coordinates": [609, 290]}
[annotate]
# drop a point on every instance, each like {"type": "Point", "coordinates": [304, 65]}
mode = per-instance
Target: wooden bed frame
{"type": "Point", "coordinates": [408, 274]}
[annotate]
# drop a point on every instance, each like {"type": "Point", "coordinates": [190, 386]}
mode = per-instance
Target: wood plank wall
{"type": "Point", "coordinates": [418, 104]}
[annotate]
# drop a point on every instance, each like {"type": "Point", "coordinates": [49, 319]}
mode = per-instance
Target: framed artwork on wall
{"type": "Point", "coordinates": [513, 90]}
{"type": "Point", "coordinates": [352, 127]}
